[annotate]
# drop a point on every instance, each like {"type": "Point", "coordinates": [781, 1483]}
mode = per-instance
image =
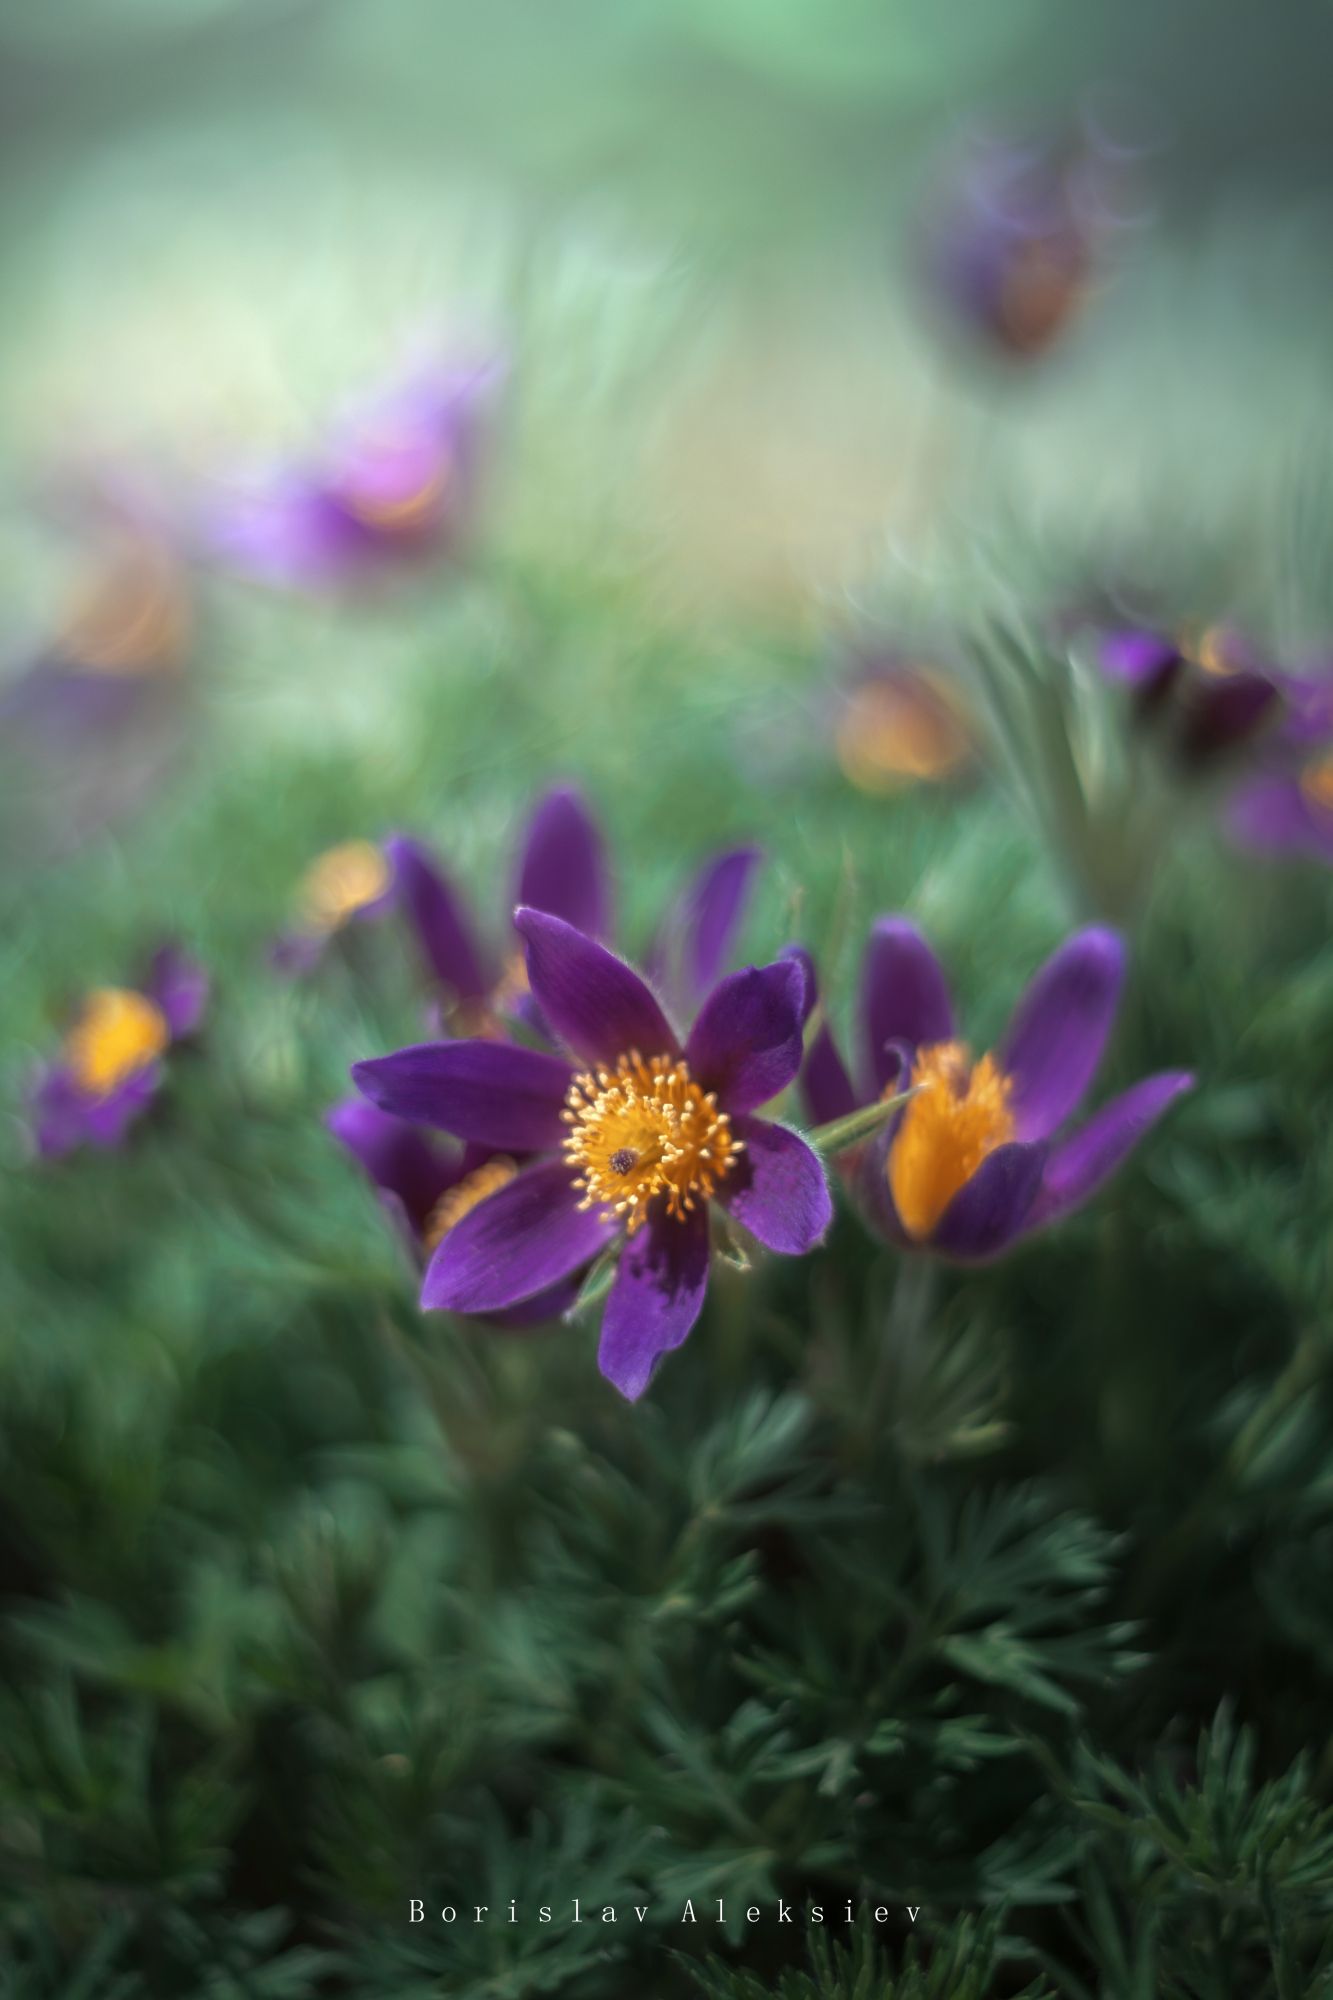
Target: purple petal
{"type": "Point", "coordinates": [1079, 1167]}
{"type": "Point", "coordinates": [58, 1107]}
{"type": "Point", "coordinates": [829, 1091]}
{"type": "Point", "coordinates": [563, 869]}
{"type": "Point", "coordinates": [746, 1044]}
{"type": "Point", "coordinates": [990, 1210]}
{"type": "Point", "coordinates": [1274, 816]}
{"type": "Point", "coordinates": [540, 1308]}
{"type": "Point", "coordinates": [178, 985]}
{"type": "Point", "coordinates": [496, 1093]}
{"type": "Point", "coordinates": [777, 1188]}
{"type": "Point", "coordinates": [657, 1296]}
{"type": "Point", "coordinates": [591, 999]}
{"type": "Point", "coordinates": [904, 998]}
{"type": "Point", "coordinates": [711, 913]}
{"type": "Point", "coordinates": [1224, 712]}
{"type": "Point", "coordinates": [107, 1119]}
{"type": "Point", "coordinates": [397, 1158]}
{"type": "Point", "coordinates": [439, 917]}
{"type": "Point", "coordinates": [798, 955]}
{"type": "Point", "coordinates": [1060, 1028]}
{"type": "Point", "coordinates": [1139, 659]}
{"type": "Point", "coordinates": [287, 528]}
{"type": "Point", "coordinates": [527, 1236]}
{"type": "Point", "coordinates": [871, 1173]}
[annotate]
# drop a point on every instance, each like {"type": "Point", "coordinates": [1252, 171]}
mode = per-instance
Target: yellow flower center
{"type": "Point", "coordinates": [132, 618]}
{"type": "Point", "coordinates": [891, 733]}
{"type": "Point", "coordinates": [959, 1115]}
{"type": "Point", "coordinates": [463, 1197]}
{"type": "Point", "coordinates": [341, 882]}
{"type": "Point", "coordinates": [644, 1131]}
{"type": "Point", "coordinates": [117, 1033]}
{"type": "Point", "coordinates": [1214, 651]}
{"type": "Point", "coordinates": [1317, 783]}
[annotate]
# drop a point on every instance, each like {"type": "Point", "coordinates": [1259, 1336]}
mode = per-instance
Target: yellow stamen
{"type": "Point", "coordinates": [959, 1115]}
{"type": "Point", "coordinates": [133, 617]}
{"type": "Point", "coordinates": [644, 1131]}
{"type": "Point", "coordinates": [893, 732]}
{"type": "Point", "coordinates": [118, 1033]}
{"type": "Point", "coordinates": [340, 882]}
{"type": "Point", "coordinates": [464, 1196]}
{"type": "Point", "coordinates": [1317, 783]}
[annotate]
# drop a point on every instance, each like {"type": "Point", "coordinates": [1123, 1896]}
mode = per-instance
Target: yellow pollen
{"type": "Point", "coordinates": [959, 1115]}
{"type": "Point", "coordinates": [117, 1033]}
{"type": "Point", "coordinates": [1317, 783]}
{"type": "Point", "coordinates": [340, 882]}
{"type": "Point", "coordinates": [900, 731]}
{"type": "Point", "coordinates": [464, 1196]}
{"type": "Point", "coordinates": [132, 617]}
{"type": "Point", "coordinates": [1214, 652]}
{"type": "Point", "coordinates": [645, 1131]}
{"type": "Point", "coordinates": [399, 513]}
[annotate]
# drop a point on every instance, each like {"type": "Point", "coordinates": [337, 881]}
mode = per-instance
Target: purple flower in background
{"type": "Point", "coordinates": [900, 723]}
{"type": "Point", "coordinates": [397, 484]}
{"type": "Point", "coordinates": [1206, 696]}
{"type": "Point", "coordinates": [110, 1065]}
{"type": "Point", "coordinates": [1021, 231]}
{"type": "Point", "coordinates": [426, 1186]}
{"type": "Point", "coordinates": [631, 1151]}
{"type": "Point", "coordinates": [1286, 807]}
{"type": "Point", "coordinates": [563, 871]}
{"type": "Point", "coordinates": [975, 1160]}
{"type": "Point", "coordinates": [351, 883]}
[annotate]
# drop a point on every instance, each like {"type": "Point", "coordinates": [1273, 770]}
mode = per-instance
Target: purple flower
{"type": "Point", "coordinates": [396, 485]}
{"type": "Point", "coordinates": [563, 871]}
{"type": "Point", "coordinates": [631, 1151]}
{"type": "Point", "coordinates": [1286, 807]}
{"type": "Point", "coordinates": [1020, 233]}
{"type": "Point", "coordinates": [899, 723]}
{"type": "Point", "coordinates": [426, 1186]}
{"type": "Point", "coordinates": [1204, 696]}
{"type": "Point", "coordinates": [978, 1158]}
{"type": "Point", "coordinates": [110, 1065]}
{"type": "Point", "coordinates": [353, 882]}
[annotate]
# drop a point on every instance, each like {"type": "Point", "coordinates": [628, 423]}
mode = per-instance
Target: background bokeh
{"type": "Point", "coordinates": [311, 1605]}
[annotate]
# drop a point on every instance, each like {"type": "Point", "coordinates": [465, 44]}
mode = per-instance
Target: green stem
{"type": "Point", "coordinates": [840, 1133]}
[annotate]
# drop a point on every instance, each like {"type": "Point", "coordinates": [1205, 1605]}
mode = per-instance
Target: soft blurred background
{"type": "Point", "coordinates": [277, 1654]}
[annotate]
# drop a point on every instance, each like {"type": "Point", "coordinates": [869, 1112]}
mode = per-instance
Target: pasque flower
{"type": "Point", "coordinates": [563, 870]}
{"type": "Point", "coordinates": [978, 1157]}
{"type": "Point", "coordinates": [900, 723]}
{"type": "Point", "coordinates": [396, 483]}
{"type": "Point", "coordinates": [1204, 695]}
{"type": "Point", "coordinates": [110, 1064]}
{"type": "Point", "coordinates": [1285, 805]}
{"type": "Point", "coordinates": [427, 1184]}
{"type": "Point", "coordinates": [1020, 231]}
{"type": "Point", "coordinates": [632, 1150]}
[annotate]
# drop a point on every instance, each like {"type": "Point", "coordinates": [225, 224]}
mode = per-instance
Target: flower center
{"type": "Point", "coordinates": [340, 882]}
{"type": "Point", "coordinates": [645, 1130]}
{"type": "Point", "coordinates": [893, 731]}
{"type": "Point", "coordinates": [960, 1113]}
{"type": "Point", "coordinates": [1042, 285]}
{"type": "Point", "coordinates": [131, 618]}
{"type": "Point", "coordinates": [398, 489]}
{"type": "Point", "coordinates": [463, 1197]}
{"type": "Point", "coordinates": [117, 1033]}
{"type": "Point", "coordinates": [1317, 783]}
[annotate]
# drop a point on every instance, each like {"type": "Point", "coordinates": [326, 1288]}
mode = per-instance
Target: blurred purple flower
{"type": "Point", "coordinates": [396, 486]}
{"type": "Point", "coordinates": [1205, 696]}
{"type": "Point", "coordinates": [1021, 230]}
{"type": "Point", "coordinates": [1286, 806]}
{"type": "Point", "coordinates": [898, 723]}
{"type": "Point", "coordinates": [110, 1065]}
{"type": "Point", "coordinates": [349, 883]}
{"type": "Point", "coordinates": [631, 1152]}
{"type": "Point", "coordinates": [972, 1162]}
